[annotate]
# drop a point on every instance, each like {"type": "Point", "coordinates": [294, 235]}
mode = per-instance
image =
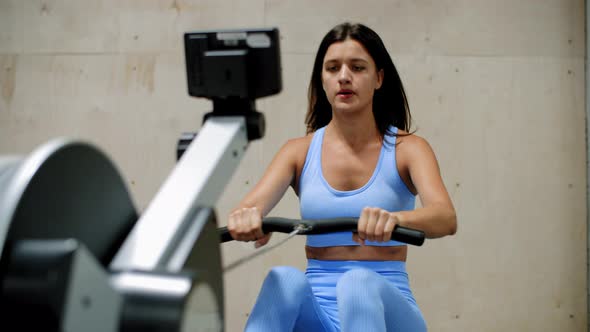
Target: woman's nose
{"type": "Point", "coordinates": [344, 75]}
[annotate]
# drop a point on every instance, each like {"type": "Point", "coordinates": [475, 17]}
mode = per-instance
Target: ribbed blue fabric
{"type": "Point", "coordinates": [286, 303]}
{"type": "Point", "coordinates": [332, 296]}
{"type": "Point", "coordinates": [318, 200]}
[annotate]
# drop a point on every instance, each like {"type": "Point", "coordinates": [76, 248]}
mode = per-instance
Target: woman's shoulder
{"type": "Point", "coordinates": [300, 141]}
{"type": "Point", "coordinates": [295, 149]}
{"type": "Point", "coordinates": [410, 140]}
{"type": "Point", "coordinates": [298, 146]}
{"type": "Point", "coordinates": [410, 146]}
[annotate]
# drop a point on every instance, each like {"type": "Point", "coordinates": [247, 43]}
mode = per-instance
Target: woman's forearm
{"type": "Point", "coordinates": [435, 220]}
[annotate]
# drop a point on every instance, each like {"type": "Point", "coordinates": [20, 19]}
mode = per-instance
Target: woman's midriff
{"type": "Point", "coordinates": [357, 253]}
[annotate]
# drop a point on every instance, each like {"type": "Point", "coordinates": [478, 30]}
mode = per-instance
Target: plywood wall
{"type": "Point", "coordinates": [497, 87]}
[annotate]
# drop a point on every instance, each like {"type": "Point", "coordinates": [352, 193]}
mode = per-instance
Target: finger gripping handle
{"type": "Point", "coordinates": [269, 224]}
{"type": "Point", "coordinates": [285, 225]}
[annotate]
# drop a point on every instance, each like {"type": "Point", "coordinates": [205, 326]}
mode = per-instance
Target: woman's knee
{"type": "Point", "coordinates": [358, 277]}
{"type": "Point", "coordinates": [288, 277]}
{"type": "Point", "coordinates": [355, 281]}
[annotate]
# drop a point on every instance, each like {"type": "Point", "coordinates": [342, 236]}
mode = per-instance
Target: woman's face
{"type": "Point", "coordinates": [350, 76]}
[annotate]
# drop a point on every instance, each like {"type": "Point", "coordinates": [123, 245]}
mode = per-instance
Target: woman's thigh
{"type": "Point", "coordinates": [369, 301]}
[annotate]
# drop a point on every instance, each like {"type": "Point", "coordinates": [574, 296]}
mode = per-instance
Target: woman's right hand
{"type": "Point", "coordinates": [245, 224]}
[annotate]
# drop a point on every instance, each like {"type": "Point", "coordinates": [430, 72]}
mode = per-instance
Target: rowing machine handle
{"type": "Point", "coordinates": [285, 225]}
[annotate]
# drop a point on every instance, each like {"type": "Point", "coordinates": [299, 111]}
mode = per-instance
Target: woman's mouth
{"type": "Point", "coordinates": [345, 93]}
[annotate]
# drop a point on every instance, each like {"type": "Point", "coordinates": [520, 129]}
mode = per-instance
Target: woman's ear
{"type": "Point", "coordinates": [380, 74]}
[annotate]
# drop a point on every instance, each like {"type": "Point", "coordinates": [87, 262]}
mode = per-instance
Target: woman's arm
{"type": "Point", "coordinates": [245, 221]}
{"type": "Point", "coordinates": [437, 216]}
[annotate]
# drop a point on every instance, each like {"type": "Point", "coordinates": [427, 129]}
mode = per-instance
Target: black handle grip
{"type": "Point", "coordinates": [285, 225]}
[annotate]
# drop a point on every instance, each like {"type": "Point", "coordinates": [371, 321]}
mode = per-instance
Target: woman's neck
{"type": "Point", "coordinates": [355, 131]}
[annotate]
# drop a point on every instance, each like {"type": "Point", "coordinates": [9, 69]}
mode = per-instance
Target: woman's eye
{"type": "Point", "coordinates": [332, 68]}
{"type": "Point", "coordinates": [358, 68]}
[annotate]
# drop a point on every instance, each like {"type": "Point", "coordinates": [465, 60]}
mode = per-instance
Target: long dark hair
{"type": "Point", "coordinates": [390, 105]}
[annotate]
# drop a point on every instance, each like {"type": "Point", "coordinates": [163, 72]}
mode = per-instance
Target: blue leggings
{"type": "Point", "coordinates": [337, 296]}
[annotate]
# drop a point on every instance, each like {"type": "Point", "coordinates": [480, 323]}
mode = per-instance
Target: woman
{"type": "Point", "coordinates": [358, 160]}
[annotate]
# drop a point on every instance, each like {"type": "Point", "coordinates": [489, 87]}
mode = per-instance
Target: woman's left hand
{"type": "Point", "coordinates": [376, 225]}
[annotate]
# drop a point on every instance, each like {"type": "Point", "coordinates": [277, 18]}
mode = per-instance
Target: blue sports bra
{"type": "Point", "coordinates": [318, 200]}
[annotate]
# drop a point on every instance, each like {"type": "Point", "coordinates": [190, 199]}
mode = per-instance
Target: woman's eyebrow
{"type": "Point", "coordinates": [358, 60]}
{"type": "Point", "coordinates": [331, 61]}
